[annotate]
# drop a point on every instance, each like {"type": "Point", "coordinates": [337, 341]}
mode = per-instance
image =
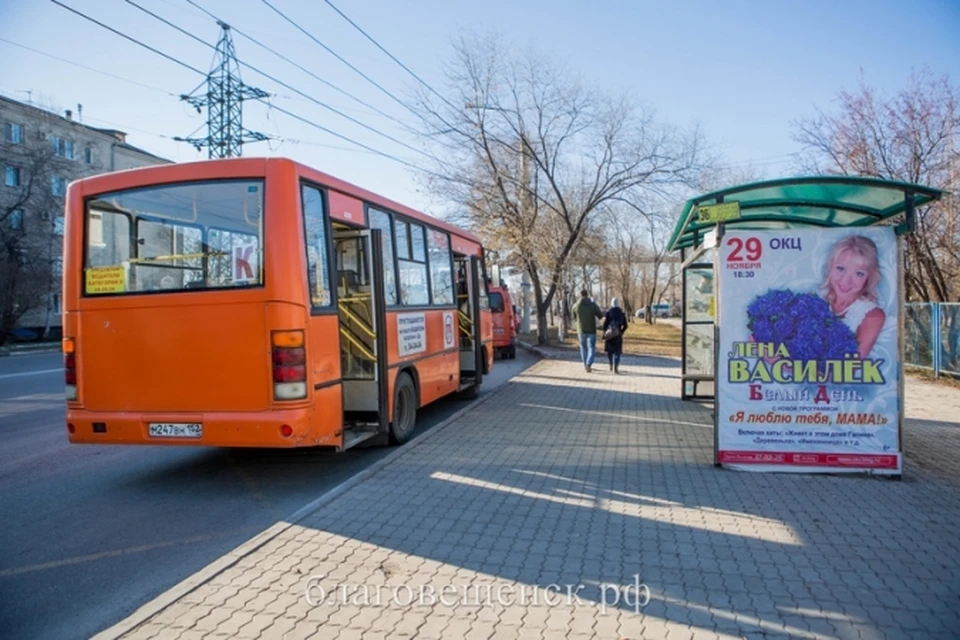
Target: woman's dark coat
{"type": "Point", "coordinates": [615, 317]}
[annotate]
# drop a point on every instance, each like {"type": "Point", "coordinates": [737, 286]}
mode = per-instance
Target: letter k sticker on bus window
{"type": "Point", "coordinates": [245, 263]}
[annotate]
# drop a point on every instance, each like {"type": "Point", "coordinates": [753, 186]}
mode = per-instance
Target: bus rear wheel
{"type": "Point", "coordinates": [404, 410]}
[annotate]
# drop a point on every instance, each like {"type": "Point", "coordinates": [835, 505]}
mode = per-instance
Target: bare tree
{"type": "Point", "coordinates": [27, 255]}
{"type": "Point", "coordinates": [530, 155]}
{"type": "Point", "coordinates": [913, 136]}
{"type": "Point", "coordinates": [655, 278]}
{"type": "Point", "coordinates": [626, 249]}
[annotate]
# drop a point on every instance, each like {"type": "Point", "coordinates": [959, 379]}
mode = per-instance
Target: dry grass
{"type": "Point", "coordinates": [927, 375]}
{"type": "Point", "coordinates": [664, 340]}
{"type": "Point", "coordinates": [640, 339]}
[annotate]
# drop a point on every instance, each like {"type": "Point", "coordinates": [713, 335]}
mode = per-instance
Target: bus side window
{"type": "Point", "coordinates": [381, 220]}
{"type": "Point", "coordinates": [315, 232]}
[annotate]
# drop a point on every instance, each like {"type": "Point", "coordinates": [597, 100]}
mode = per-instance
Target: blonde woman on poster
{"type": "Point", "coordinates": [850, 283]}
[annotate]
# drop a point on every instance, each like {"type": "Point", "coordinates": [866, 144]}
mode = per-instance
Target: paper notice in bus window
{"type": "Point", "coordinates": [411, 333]}
{"type": "Point", "coordinates": [110, 279]}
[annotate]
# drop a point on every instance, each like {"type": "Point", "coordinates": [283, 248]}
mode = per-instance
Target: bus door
{"type": "Point", "coordinates": [468, 312]}
{"type": "Point", "coordinates": [363, 348]}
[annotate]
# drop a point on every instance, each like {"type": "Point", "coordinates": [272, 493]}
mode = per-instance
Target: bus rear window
{"type": "Point", "coordinates": [202, 235]}
{"type": "Point", "coordinates": [496, 302]}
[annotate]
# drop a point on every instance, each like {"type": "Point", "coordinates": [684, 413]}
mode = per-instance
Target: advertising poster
{"type": "Point", "coordinates": [808, 363]}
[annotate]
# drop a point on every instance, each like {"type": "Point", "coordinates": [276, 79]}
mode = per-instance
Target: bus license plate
{"type": "Point", "coordinates": [176, 430]}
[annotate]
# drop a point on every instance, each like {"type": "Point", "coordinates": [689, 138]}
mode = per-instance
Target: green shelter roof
{"type": "Point", "coordinates": [819, 201]}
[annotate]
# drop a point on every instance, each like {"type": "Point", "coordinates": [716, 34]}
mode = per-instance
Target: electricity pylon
{"type": "Point", "coordinates": [223, 100]}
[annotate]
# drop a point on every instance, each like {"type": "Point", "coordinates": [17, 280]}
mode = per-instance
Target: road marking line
{"type": "Point", "coordinates": [118, 552]}
{"type": "Point", "coordinates": [30, 373]}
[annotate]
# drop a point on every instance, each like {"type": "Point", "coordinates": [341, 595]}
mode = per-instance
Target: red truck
{"type": "Point", "coordinates": [506, 322]}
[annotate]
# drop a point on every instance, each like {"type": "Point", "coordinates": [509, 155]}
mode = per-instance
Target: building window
{"type": "Point", "coordinates": [12, 176]}
{"type": "Point", "coordinates": [55, 303]}
{"type": "Point", "coordinates": [61, 147]}
{"type": "Point", "coordinates": [58, 186]}
{"type": "Point", "coordinates": [12, 133]}
{"type": "Point", "coordinates": [87, 155]}
{"type": "Point", "coordinates": [15, 221]}
{"type": "Point", "coordinates": [57, 266]}
{"type": "Point", "coordinates": [58, 225]}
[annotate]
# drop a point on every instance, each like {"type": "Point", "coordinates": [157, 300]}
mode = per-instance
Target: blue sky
{"type": "Point", "coordinates": [741, 70]}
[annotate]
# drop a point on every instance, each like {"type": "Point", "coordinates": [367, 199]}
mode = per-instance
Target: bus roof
{"type": "Point", "coordinates": [220, 168]}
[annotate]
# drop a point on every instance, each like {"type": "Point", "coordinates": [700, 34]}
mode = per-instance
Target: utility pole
{"type": "Point", "coordinates": [223, 100]}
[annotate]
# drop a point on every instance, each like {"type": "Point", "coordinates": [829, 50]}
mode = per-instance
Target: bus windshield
{"type": "Point", "coordinates": [198, 235]}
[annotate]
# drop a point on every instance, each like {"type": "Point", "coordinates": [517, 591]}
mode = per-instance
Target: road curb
{"type": "Point", "coordinates": [536, 350]}
{"type": "Point", "coordinates": [8, 352]}
{"type": "Point", "coordinates": [218, 566]}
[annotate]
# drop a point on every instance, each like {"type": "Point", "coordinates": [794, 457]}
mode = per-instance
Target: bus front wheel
{"type": "Point", "coordinates": [404, 410]}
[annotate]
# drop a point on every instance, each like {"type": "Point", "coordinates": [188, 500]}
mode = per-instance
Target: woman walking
{"type": "Point", "coordinates": [614, 324]}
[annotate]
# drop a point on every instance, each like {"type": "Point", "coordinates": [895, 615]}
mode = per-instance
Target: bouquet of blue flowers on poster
{"type": "Point", "coordinates": [808, 373]}
{"type": "Point", "coordinates": [804, 323]}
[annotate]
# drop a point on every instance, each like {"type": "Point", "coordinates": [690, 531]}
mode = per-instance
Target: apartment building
{"type": "Point", "coordinates": [41, 152]}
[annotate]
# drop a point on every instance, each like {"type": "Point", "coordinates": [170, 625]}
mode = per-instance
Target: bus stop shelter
{"type": "Point", "coordinates": [787, 203]}
{"type": "Point", "coordinates": [792, 320]}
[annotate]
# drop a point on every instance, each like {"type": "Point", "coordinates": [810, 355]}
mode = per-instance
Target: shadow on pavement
{"type": "Point", "coordinates": [560, 484]}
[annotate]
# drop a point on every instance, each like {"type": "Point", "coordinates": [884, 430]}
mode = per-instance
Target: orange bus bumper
{"type": "Point", "coordinates": [286, 428]}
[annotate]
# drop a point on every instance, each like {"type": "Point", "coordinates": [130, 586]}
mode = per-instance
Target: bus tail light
{"type": "Point", "coordinates": [289, 360]}
{"type": "Point", "coordinates": [70, 368]}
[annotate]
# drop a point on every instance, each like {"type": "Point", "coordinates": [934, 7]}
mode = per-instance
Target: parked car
{"type": "Point", "coordinates": [659, 311]}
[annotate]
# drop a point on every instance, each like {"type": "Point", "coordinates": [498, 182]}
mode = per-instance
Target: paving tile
{"type": "Point", "coordinates": [574, 483]}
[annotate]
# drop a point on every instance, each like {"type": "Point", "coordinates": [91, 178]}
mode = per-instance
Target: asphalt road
{"type": "Point", "coordinates": [90, 533]}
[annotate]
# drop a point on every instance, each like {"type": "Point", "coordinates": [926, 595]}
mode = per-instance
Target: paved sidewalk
{"type": "Point", "coordinates": [555, 507]}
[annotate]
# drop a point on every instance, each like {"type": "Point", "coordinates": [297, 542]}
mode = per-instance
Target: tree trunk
{"type": "Point", "coordinates": [541, 307]}
{"type": "Point", "coordinates": [8, 298]}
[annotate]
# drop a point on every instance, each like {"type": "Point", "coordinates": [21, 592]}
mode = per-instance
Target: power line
{"type": "Point", "coordinates": [88, 118]}
{"type": "Point", "coordinates": [341, 59]}
{"type": "Point", "coordinates": [280, 109]}
{"type": "Point", "coordinates": [343, 137]}
{"type": "Point", "coordinates": [302, 68]}
{"type": "Point", "coordinates": [284, 84]}
{"type": "Point", "coordinates": [392, 57]}
{"type": "Point", "coordinates": [170, 24]}
{"type": "Point", "coordinates": [125, 36]}
{"type": "Point", "coordinates": [83, 66]}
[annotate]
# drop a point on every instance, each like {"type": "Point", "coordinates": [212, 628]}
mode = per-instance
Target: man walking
{"type": "Point", "coordinates": [587, 313]}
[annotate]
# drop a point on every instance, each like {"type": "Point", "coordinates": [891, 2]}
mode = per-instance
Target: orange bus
{"type": "Point", "coordinates": [255, 302]}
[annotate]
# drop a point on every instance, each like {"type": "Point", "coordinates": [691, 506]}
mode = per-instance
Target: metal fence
{"type": "Point", "coordinates": [932, 337]}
